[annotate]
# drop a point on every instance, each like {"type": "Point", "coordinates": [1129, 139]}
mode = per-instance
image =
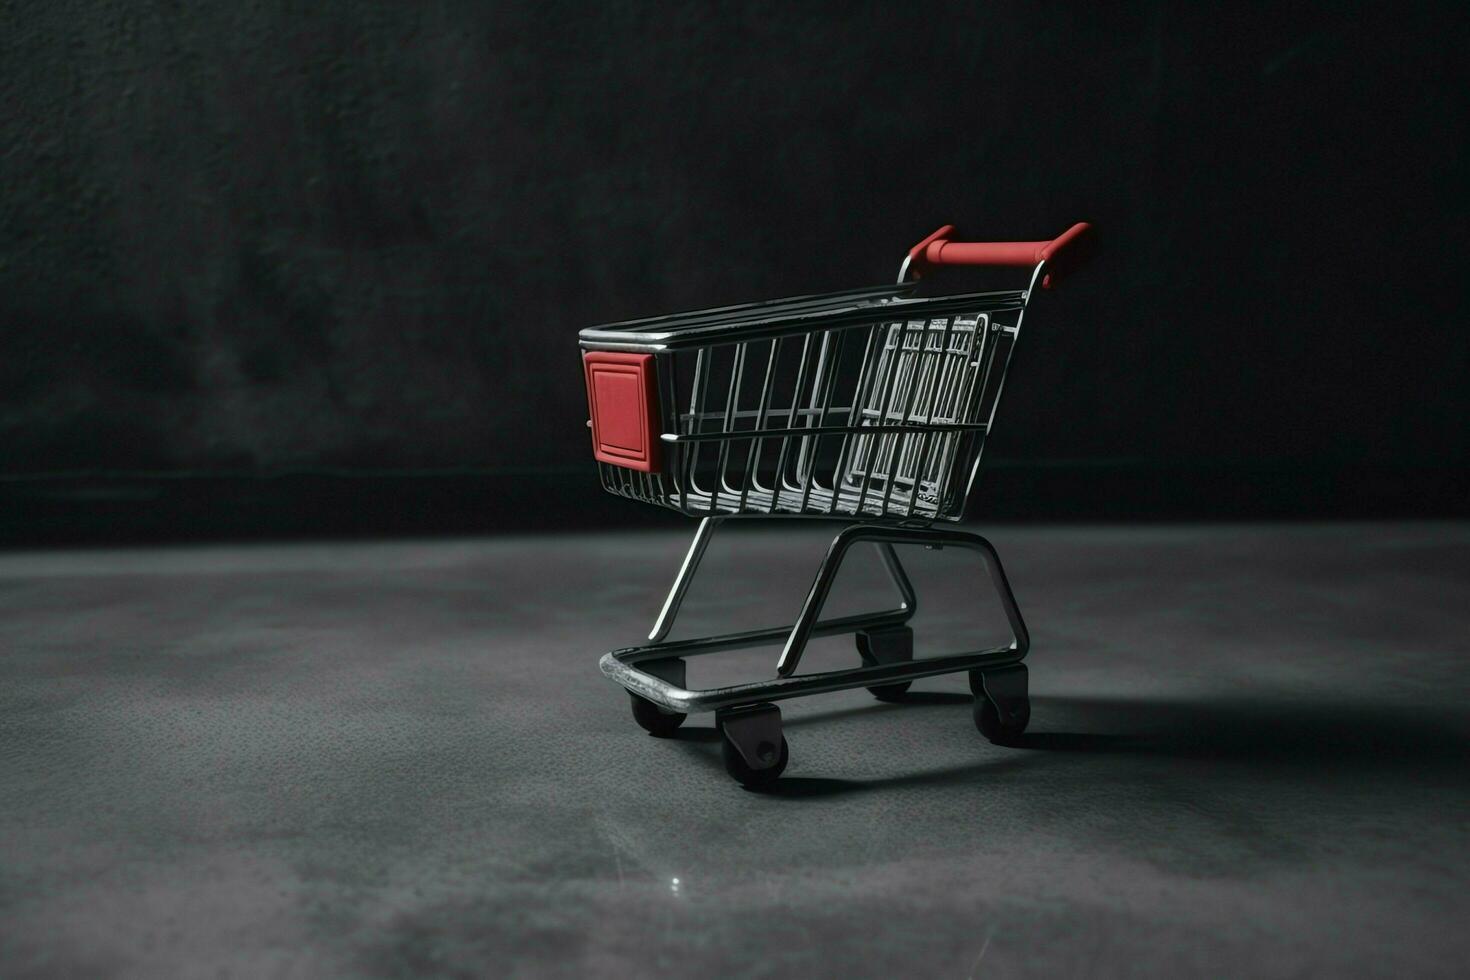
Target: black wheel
{"type": "Point", "coordinates": [653, 719]}
{"type": "Point", "coordinates": [738, 768]}
{"type": "Point", "coordinates": [891, 692]}
{"type": "Point", "coordinates": [887, 646]}
{"type": "Point", "coordinates": [987, 719]}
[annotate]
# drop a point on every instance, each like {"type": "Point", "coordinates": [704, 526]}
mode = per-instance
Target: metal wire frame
{"type": "Point", "coordinates": [623, 665]}
{"type": "Point", "coordinates": [865, 416]}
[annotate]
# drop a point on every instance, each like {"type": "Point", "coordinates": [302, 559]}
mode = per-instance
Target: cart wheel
{"type": "Point", "coordinates": [887, 646]}
{"type": "Point", "coordinates": [653, 719]}
{"type": "Point", "coordinates": [738, 768]}
{"type": "Point", "coordinates": [987, 719]}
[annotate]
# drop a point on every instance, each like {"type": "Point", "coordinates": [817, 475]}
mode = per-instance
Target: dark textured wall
{"type": "Point", "coordinates": [243, 237]}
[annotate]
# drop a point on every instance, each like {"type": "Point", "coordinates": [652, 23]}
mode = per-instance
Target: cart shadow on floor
{"type": "Point", "coordinates": [1325, 740]}
{"type": "Point", "coordinates": [799, 787]}
{"type": "Point", "coordinates": [1321, 735]}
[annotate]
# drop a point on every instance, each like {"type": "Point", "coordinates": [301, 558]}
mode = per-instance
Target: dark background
{"type": "Point", "coordinates": [272, 268]}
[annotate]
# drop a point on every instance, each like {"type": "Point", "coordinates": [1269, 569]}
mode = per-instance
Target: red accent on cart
{"type": "Point", "coordinates": [622, 397]}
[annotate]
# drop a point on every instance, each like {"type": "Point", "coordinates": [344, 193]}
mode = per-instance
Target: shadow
{"type": "Point", "coordinates": [1319, 735]}
{"type": "Point", "coordinates": [807, 787]}
{"type": "Point", "coordinates": [918, 698]}
{"type": "Point", "coordinates": [934, 697]}
{"type": "Point", "coordinates": [1321, 740]}
{"type": "Point", "coordinates": [685, 734]}
{"type": "Point", "coordinates": [914, 699]}
{"type": "Point", "coordinates": [1076, 742]}
{"type": "Point", "coordinates": [812, 787]}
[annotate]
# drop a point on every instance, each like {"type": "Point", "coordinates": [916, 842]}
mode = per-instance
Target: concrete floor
{"type": "Point", "coordinates": [1248, 756]}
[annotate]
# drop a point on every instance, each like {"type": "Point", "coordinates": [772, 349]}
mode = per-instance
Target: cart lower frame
{"type": "Point", "coordinates": [654, 674]}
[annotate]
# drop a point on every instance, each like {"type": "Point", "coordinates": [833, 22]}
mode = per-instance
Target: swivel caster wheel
{"type": "Point", "coordinates": [1002, 707]}
{"type": "Point", "coordinates": [998, 731]}
{"type": "Point", "coordinates": [743, 774]}
{"type": "Point", "coordinates": [887, 646]}
{"type": "Point", "coordinates": [754, 748]}
{"type": "Point", "coordinates": [656, 721]}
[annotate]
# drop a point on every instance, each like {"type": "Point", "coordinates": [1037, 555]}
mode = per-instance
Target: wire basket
{"type": "Point", "coordinates": [867, 403]}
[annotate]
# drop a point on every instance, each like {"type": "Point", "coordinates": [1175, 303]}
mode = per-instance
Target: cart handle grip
{"type": "Point", "coordinates": [1061, 255]}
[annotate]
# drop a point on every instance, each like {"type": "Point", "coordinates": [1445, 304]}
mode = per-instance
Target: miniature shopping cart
{"type": "Point", "coordinates": [870, 407]}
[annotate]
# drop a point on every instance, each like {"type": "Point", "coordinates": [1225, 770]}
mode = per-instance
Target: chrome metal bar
{"type": "Point", "coordinates": [916, 380]}
{"type": "Point", "coordinates": [619, 667]}
{"type": "Point", "coordinates": [885, 402]}
{"type": "Point", "coordinates": [696, 398]}
{"type": "Point", "coordinates": [793, 304]}
{"type": "Point", "coordinates": [668, 404]}
{"type": "Point", "coordinates": [750, 413]}
{"type": "Point", "coordinates": [976, 401]}
{"type": "Point", "coordinates": [1015, 333]}
{"type": "Point", "coordinates": [979, 347]}
{"type": "Point", "coordinates": [877, 339]}
{"type": "Point", "coordinates": [824, 430]}
{"type": "Point", "coordinates": [1022, 641]}
{"type": "Point", "coordinates": [768, 636]}
{"type": "Point", "coordinates": [920, 465]}
{"type": "Point", "coordinates": [828, 381]}
{"type": "Point", "coordinates": [752, 460]}
{"type": "Point", "coordinates": [786, 441]}
{"type": "Point", "coordinates": [675, 599]}
{"type": "Point", "coordinates": [693, 337]}
{"type": "Point", "coordinates": [900, 577]}
{"type": "Point", "coordinates": [732, 402]}
{"type": "Point", "coordinates": [801, 631]}
{"type": "Point", "coordinates": [619, 663]}
{"type": "Point", "coordinates": [817, 405]}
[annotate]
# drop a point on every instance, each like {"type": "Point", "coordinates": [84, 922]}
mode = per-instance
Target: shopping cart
{"type": "Point", "coordinates": [869, 406]}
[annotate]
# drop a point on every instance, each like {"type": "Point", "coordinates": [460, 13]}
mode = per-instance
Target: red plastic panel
{"type": "Point", "coordinates": [622, 397]}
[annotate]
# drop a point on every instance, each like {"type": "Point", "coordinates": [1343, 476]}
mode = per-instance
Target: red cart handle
{"type": "Point", "coordinates": [1062, 254]}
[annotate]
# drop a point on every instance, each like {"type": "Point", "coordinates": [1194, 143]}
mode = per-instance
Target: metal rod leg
{"type": "Point", "coordinates": [899, 576]}
{"type": "Point", "coordinates": [801, 632]}
{"type": "Point", "coordinates": [807, 619]}
{"type": "Point", "coordinates": [665, 621]}
{"type": "Point", "coordinates": [805, 622]}
{"type": "Point", "coordinates": [1007, 596]}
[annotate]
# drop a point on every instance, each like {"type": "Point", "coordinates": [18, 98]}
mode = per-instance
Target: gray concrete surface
{"type": "Point", "coordinates": [1248, 756]}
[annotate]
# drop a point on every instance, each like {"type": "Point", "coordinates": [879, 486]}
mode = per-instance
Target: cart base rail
{"type": "Point", "coordinates": [618, 665]}
{"type": "Point", "coordinates": [654, 673]}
